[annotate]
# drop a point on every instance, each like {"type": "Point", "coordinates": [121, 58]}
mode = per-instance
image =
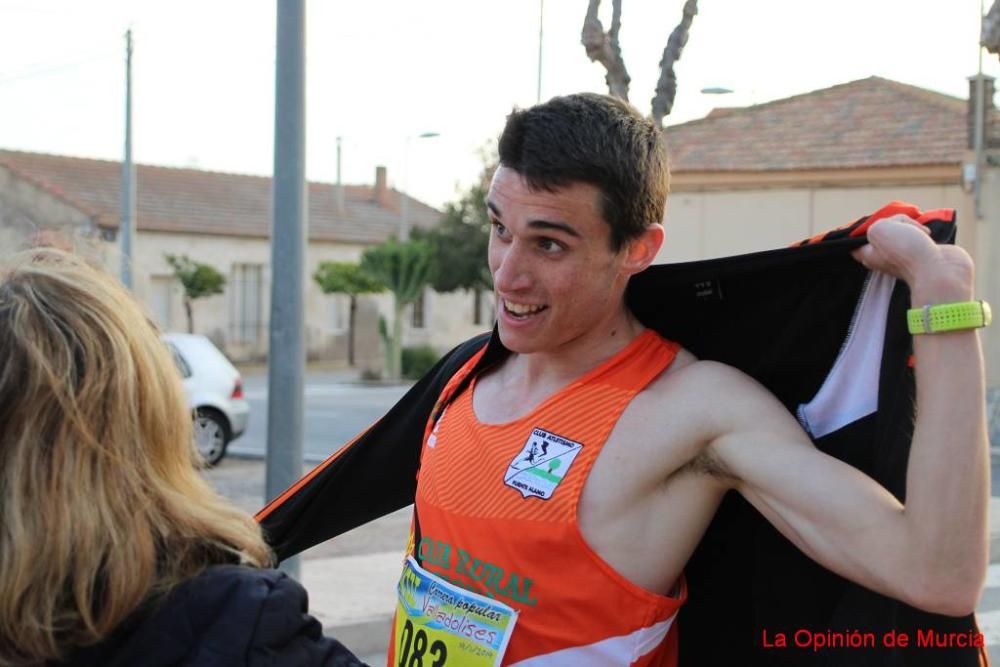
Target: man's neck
{"type": "Point", "coordinates": [574, 358]}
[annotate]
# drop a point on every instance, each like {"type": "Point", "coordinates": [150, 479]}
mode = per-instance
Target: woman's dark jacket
{"type": "Point", "coordinates": [226, 616]}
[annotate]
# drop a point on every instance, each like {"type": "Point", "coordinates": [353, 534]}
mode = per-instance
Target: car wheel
{"type": "Point", "coordinates": [211, 435]}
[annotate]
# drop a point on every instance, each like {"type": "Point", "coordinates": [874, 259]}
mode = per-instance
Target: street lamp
{"type": "Point", "coordinates": [750, 95]}
{"type": "Point", "coordinates": [404, 204]}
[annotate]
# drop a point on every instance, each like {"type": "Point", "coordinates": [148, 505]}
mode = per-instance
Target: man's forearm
{"type": "Point", "coordinates": [948, 475]}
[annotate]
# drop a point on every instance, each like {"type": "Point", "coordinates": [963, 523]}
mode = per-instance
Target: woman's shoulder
{"type": "Point", "coordinates": [260, 615]}
{"type": "Point", "coordinates": [229, 615]}
{"type": "Point", "coordinates": [228, 583]}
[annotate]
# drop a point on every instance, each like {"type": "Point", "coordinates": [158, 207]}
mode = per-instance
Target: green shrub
{"type": "Point", "coordinates": [418, 360]}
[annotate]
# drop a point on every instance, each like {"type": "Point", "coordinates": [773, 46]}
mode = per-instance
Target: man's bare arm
{"type": "Point", "coordinates": [933, 552]}
{"type": "Point", "coordinates": [948, 475]}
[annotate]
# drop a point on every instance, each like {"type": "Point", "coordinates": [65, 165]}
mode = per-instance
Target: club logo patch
{"type": "Point", "coordinates": [541, 464]}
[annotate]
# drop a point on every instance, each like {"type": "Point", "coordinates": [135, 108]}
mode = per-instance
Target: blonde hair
{"type": "Point", "coordinates": [101, 505]}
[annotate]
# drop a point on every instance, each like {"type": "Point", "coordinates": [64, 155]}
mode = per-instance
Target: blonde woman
{"type": "Point", "coordinates": [114, 551]}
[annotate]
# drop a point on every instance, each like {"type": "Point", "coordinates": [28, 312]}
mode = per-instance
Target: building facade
{"type": "Point", "coordinates": [765, 176]}
{"type": "Point", "coordinates": [743, 179]}
{"type": "Point", "coordinates": [223, 220]}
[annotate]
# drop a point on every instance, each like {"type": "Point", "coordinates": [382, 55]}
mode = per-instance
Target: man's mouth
{"type": "Point", "coordinates": [522, 310]}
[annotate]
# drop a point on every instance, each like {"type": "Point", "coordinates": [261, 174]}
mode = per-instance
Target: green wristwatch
{"type": "Point", "coordinates": [949, 317]}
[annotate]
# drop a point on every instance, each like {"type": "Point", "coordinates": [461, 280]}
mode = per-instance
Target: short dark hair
{"type": "Point", "coordinates": [596, 139]}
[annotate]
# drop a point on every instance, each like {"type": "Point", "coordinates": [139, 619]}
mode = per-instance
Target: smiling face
{"type": "Point", "coordinates": [557, 281]}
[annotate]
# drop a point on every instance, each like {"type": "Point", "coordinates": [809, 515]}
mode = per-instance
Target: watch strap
{"type": "Point", "coordinates": [943, 317]}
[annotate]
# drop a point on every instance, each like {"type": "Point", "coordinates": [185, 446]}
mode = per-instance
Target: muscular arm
{"type": "Point", "coordinates": [933, 552]}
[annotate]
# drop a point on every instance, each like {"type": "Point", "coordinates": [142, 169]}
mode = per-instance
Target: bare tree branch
{"type": "Point", "coordinates": [666, 87]}
{"type": "Point", "coordinates": [604, 48]}
{"type": "Point", "coordinates": [613, 44]}
{"type": "Point", "coordinates": [990, 37]}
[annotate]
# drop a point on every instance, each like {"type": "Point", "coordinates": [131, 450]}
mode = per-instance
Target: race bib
{"type": "Point", "coordinates": [439, 624]}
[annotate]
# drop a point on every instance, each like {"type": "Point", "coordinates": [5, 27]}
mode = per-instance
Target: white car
{"type": "Point", "coordinates": [215, 393]}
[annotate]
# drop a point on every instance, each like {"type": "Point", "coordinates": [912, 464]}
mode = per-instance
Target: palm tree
{"type": "Point", "coordinates": [404, 269]}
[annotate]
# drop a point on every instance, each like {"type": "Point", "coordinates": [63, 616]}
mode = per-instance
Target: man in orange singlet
{"type": "Point", "coordinates": [574, 480]}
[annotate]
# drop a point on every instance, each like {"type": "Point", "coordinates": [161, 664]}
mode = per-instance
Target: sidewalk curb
{"type": "Point", "coordinates": [366, 638]}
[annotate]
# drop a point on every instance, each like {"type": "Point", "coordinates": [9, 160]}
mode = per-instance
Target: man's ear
{"type": "Point", "coordinates": [641, 250]}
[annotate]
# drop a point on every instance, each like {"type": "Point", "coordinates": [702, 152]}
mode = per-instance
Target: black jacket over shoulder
{"type": "Point", "coordinates": [226, 616]}
{"type": "Point", "coordinates": [787, 318]}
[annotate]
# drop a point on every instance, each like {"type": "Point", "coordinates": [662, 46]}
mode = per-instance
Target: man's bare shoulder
{"type": "Point", "coordinates": [701, 382]}
{"type": "Point", "coordinates": [669, 420]}
{"type": "Point", "coordinates": [692, 403]}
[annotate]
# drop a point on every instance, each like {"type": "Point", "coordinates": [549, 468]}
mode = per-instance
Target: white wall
{"type": "Point", "coordinates": [449, 319]}
{"type": "Point", "coordinates": [701, 225]}
{"type": "Point", "coordinates": [448, 316]}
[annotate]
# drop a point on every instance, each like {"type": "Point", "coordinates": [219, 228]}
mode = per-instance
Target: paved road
{"type": "Point", "coordinates": [335, 412]}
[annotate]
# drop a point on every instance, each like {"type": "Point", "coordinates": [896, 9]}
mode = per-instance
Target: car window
{"type": "Point", "coordinates": [182, 365]}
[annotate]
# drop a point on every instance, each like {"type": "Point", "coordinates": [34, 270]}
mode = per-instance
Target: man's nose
{"type": "Point", "coordinates": [514, 271]}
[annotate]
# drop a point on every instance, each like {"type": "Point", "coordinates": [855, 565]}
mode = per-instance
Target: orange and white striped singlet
{"type": "Point", "coordinates": [497, 511]}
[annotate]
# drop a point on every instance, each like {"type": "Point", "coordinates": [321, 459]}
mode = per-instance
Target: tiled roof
{"type": "Point", "coordinates": [205, 202]}
{"type": "Point", "coordinates": [871, 122]}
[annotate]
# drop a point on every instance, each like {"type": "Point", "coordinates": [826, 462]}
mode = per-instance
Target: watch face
{"type": "Point", "coordinates": [987, 313]}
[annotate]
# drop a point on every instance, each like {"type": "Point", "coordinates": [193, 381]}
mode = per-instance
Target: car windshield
{"type": "Point", "coordinates": [182, 365]}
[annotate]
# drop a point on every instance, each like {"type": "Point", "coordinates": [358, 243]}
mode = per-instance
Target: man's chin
{"type": "Point", "coordinates": [517, 342]}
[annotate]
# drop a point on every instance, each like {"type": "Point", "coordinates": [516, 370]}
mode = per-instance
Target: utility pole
{"type": "Point", "coordinates": [979, 129]}
{"type": "Point", "coordinates": [286, 351]}
{"type": "Point", "coordinates": [541, 22]}
{"type": "Point", "coordinates": [126, 224]}
{"type": "Point", "coordinates": [340, 182]}
{"type": "Point", "coordinates": [404, 195]}
{"type": "Point", "coordinates": [404, 199]}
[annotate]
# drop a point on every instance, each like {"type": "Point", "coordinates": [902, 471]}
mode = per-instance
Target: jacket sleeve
{"type": "Point", "coordinates": [285, 633]}
{"type": "Point", "coordinates": [371, 476]}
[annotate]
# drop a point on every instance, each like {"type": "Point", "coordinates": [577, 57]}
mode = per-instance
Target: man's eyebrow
{"type": "Point", "coordinates": [557, 226]}
{"type": "Point", "coordinates": [539, 224]}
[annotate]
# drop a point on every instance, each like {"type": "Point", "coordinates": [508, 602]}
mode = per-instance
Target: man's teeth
{"type": "Point", "coordinates": [521, 308]}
